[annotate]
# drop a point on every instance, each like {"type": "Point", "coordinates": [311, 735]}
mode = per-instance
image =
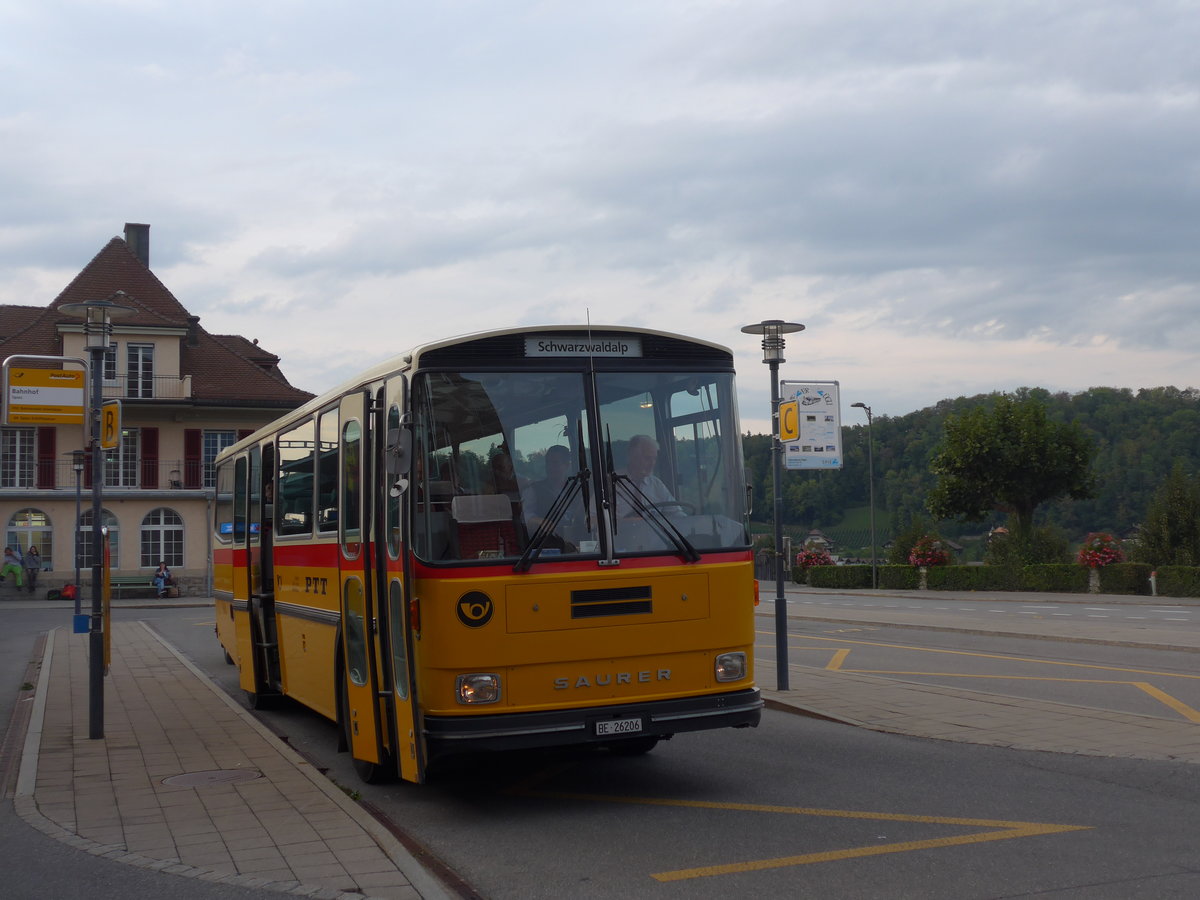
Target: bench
{"type": "Point", "coordinates": [122, 583]}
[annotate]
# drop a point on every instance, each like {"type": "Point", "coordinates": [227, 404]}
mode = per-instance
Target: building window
{"type": "Point", "coordinates": [31, 528]}
{"type": "Point", "coordinates": [110, 363]}
{"type": "Point", "coordinates": [214, 443]}
{"type": "Point", "coordinates": [18, 457]}
{"type": "Point", "coordinates": [139, 368]}
{"type": "Point", "coordinates": [121, 462]}
{"type": "Point", "coordinates": [107, 520]}
{"type": "Point", "coordinates": [162, 538]}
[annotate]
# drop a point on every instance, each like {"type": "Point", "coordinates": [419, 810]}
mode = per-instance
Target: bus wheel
{"type": "Point", "coordinates": [262, 701]}
{"type": "Point", "coordinates": [228, 658]}
{"type": "Point", "coordinates": [369, 772]}
{"type": "Point", "coordinates": [633, 746]}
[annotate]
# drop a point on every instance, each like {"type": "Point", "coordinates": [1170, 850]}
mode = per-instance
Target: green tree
{"type": "Point", "coordinates": [1170, 534]}
{"type": "Point", "coordinates": [1011, 458]}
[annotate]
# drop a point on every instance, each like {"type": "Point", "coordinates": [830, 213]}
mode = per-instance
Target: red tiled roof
{"type": "Point", "coordinates": [226, 369]}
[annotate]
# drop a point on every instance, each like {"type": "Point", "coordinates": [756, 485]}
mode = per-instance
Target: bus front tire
{"type": "Point", "coordinates": [263, 701]}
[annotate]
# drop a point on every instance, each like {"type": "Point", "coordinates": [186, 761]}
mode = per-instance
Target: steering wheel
{"type": "Point", "coordinates": [686, 508]}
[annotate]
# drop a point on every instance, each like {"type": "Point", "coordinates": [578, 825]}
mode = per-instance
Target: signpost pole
{"type": "Point", "coordinates": [98, 316]}
{"type": "Point", "coordinates": [773, 331]}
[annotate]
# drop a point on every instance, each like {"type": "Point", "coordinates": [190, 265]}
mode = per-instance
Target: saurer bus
{"type": "Point", "coordinates": [514, 539]}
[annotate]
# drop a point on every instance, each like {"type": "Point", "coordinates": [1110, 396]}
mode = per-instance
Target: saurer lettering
{"type": "Point", "coordinates": [604, 679]}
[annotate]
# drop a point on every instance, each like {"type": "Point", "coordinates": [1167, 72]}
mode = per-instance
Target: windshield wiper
{"type": "Point", "coordinates": [649, 511]}
{"type": "Point", "coordinates": [557, 510]}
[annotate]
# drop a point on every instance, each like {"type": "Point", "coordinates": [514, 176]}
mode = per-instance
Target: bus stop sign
{"type": "Point", "coordinates": [110, 424]}
{"type": "Point", "coordinates": [789, 421]}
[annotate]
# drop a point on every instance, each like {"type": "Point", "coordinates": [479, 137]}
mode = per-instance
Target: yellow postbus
{"type": "Point", "coordinates": [521, 538]}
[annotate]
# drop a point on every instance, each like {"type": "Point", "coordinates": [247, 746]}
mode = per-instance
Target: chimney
{"type": "Point", "coordinates": [192, 339]}
{"type": "Point", "coordinates": [138, 239]}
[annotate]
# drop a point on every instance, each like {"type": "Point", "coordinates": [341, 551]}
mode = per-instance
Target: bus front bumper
{"type": "Point", "coordinates": [447, 735]}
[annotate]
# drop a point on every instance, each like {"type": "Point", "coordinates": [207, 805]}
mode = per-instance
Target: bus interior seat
{"type": "Point", "coordinates": [484, 525]}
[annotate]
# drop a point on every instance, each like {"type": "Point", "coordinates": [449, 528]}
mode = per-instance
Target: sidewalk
{"type": "Point", "coordinates": [186, 782]}
{"type": "Point", "coordinates": [978, 717]}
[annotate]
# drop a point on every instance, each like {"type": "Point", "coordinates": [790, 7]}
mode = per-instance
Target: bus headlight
{"type": "Point", "coordinates": [478, 687]}
{"type": "Point", "coordinates": [731, 666]}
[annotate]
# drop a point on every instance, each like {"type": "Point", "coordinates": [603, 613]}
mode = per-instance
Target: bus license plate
{"type": "Point", "coordinates": [619, 726]}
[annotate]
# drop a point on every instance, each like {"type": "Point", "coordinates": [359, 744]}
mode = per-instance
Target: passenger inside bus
{"type": "Point", "coordinates": [505, 480]}
{"type": "Point", "coordinates": [540, 496]}
{"type": "Point", "coordinates": [641, 458]}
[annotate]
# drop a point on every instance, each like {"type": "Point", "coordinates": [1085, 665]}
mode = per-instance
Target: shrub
{"type": "Point", "coordinates": [840, 576]}
{"type": "Point", "coordinates": [1179, 581]}
{"type": "Point", "coordinates": [971, 578]}
{"type": "Point", "coordinates": [1056, 578]}
{"type": "Point", "coordinates": [1126, 578]}
{"type": "Point", "coordinates": [903, 578]}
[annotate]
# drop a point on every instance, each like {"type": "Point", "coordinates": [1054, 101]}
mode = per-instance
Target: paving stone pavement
{"type": "Point", "coordinates": [187, 782]}
{"type": "Point", "coordinates": [923, 710]}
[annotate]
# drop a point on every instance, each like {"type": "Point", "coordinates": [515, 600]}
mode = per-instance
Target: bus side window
{"type": "Point", "coordinates": [327, 470]}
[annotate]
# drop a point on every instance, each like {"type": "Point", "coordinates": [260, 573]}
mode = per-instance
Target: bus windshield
{"type": "Point", "coordinates": [522, 465]}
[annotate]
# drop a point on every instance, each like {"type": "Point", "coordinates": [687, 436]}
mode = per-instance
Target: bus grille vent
{"type": "Point", "coordinates": [623, 601]}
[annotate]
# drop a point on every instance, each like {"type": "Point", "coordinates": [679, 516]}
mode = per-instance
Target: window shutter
{"type": "Point", "coordinates": [46, 461]}
{"type": "Point", "coordinates": [193, 460]}
{"type": "Point", "coordinates": [149, 439]}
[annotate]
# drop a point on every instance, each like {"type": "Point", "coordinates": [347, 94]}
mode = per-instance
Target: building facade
{"type": "Point", "coordinates": [185, 395]}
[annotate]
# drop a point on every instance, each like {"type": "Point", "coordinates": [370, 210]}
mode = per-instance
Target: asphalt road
{"type": "Point", "coordinates": [796, 807]}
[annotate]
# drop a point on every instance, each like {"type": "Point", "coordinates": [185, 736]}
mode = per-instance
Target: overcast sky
{"type": "Point", "coordinates": [953, 197]}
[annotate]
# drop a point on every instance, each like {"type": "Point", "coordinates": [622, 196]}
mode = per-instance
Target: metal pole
{"type": "Point", "coordinates": [97, 327]}
{"type": "Point", "coordinates": [77, 465]}
{"type": "Point", "coordinates": [773, 343]}
{"type": "Point", "coordinates": [870, 486]}
{"type": "Point", "coordinates": [781, 637]}
{"type": "Point", "coordinates": [871, 495]}
{"type": "Point", "coordinates": [96, 633]}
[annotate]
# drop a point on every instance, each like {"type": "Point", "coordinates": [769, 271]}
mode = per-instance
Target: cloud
{"type": "Point", "coordinates": [948, 194]}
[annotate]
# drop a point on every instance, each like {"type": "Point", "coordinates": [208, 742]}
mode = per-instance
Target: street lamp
{"type": "Point", "coordinates": [97, 330]}
{"type": "Point", "coordinates": [871, 487]}
{"type": "Point", "coordinates": [77, 462]}
{"type": "Point", "coordinates": [772, 331]}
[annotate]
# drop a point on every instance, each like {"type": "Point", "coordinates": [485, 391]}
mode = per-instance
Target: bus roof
{"type": "Point", "coordinates": [411, 359]}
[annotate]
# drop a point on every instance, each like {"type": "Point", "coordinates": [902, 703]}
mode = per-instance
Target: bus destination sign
{"type": "Point", "coordinates": [566, 345]}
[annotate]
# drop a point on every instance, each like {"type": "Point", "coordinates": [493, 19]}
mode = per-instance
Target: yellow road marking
{"type": "Point", "coordinates": [1001, 656]}
{"type": "Point", "coordinates": [1004, 830]}
{"type": "Point", "coordinates": [838, 658]}
{"type": "Point", "coordinates": [1182, 708]}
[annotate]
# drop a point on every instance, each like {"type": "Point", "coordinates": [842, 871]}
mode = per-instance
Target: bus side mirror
{"type": "Point", "coordinates": [398, 458]}
{"type": "Point", "coordinates": [749, 500]}
{"type": "Point", "coordinates": [399, 451]}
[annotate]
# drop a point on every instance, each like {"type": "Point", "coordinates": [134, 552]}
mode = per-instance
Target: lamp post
{"type": "Point", "coordinates": [77, 458]}
{"type": "Point", "coordinates": [870, 487]}
{"type": "Point", "coordinates": [97, 329]}
{"type": "Point", "coordinates": [772, 331]}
